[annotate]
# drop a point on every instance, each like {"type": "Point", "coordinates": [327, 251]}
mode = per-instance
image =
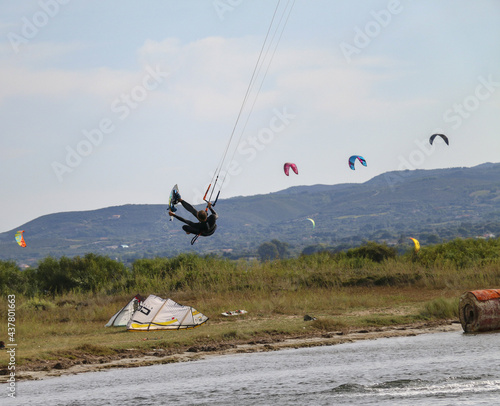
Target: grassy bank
{"type": "Point", "coordinates": [70, 328]}
{"type": "Point", "coordinates": [349, 291]}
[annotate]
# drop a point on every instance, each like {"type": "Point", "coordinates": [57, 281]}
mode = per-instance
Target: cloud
{"type": "Point", "coordinates": [37, 53]}
{"type": "Point", "coordinates": [208, 78]}
{"type": "Point", "coordinates": [104, 83]}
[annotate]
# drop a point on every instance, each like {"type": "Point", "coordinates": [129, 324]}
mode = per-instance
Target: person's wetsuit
{"type": "Point", "coordinates": [204, 228]}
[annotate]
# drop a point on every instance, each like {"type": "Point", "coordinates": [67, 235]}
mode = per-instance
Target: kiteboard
{"type": "Point", "coordinates": [171, 200]}
{"type": "Point", "coordinates": [234, 313]}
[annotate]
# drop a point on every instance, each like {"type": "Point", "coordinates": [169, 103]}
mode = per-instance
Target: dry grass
{"type": "Point", "coordinates": [72, 325]}
{"type": "Point", "coordinates": [342, 293]}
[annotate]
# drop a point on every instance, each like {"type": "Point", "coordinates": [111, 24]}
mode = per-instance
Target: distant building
{"type": "Point", "coordinates": [486, 236]}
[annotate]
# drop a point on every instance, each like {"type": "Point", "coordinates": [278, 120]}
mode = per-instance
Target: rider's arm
{"type": "Point", "coordinates": [213, 212]}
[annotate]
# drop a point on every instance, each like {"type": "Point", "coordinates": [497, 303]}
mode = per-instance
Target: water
{"type": "Point", "coordinates": [430, 369]}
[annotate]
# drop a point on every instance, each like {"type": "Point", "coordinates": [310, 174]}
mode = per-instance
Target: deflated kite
{"type": "Point", "coordinates": [20, 238]}
{"type": "Point", "coordinates": [353, 159]}
{"type": "Point", "coordinates": [417, 244]}
{"type": "Point", "coordinates": [287, 167]}
{"type": "Point", "coordinates": [444, 137]}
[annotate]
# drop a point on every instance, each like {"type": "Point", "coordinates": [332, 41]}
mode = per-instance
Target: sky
{"type": "Point", "coordinates": [106, 103]}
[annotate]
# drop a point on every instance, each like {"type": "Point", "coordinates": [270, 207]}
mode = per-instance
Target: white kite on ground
{"type": "Point", "coordinates": [156, 313]}
{"type": "Point", "coordinates": [122, 316]}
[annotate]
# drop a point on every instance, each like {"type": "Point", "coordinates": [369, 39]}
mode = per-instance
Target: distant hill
{"type": "Point", "coordinates": [432, 205]}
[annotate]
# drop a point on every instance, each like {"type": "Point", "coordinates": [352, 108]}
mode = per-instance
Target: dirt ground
{"type": "Point", "coordinates": [134, 358]}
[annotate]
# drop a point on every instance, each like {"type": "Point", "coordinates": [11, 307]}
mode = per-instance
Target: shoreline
{"type": "Point", "coordinates": [133, 358]}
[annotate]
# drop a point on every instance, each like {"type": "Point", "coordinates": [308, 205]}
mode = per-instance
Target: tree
{"type": "Point", "coordinates": [433, 239]}
{"type": "Point", "coordinates": [89, 273]}
{"type": "Point", "coordinates": [282, 248]}
{"type": "Point", "coordinates": [267, 251]}
{"type": "Point", "coordinates": [12, 279]}
{"type": "Point", "coordinates": [55, 276]}
{"type": "Point", "coordinates": [273, 250]}
{"type": "Point", "coordinates": [373, 251]}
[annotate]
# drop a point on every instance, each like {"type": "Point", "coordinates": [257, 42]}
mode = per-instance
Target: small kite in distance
{"type": "Point", "coordinates": [444, 137]}
{"type": "Point", "coordinates": [353, 158]}
{"type": "Point", "coordinates": [312, 221]}
{"type": "Point", "coordinates": [287, 167]}
{"type": "Point", "coordinates": [20, 238]}
{"type": "Point", "coordinates": [417, 244]}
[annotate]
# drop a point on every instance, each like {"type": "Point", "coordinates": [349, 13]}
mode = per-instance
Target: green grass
{"type": "Point", "coordinates": [441, 308]}
{"type": "Point", "coordinates": [73, 327]}
{"type": "Point", "coordinates": [344, 291]}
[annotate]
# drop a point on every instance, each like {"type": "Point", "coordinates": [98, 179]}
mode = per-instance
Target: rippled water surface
{"type": "Point", "coordinates": [430, 369]}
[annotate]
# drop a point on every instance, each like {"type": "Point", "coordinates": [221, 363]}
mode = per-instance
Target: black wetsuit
{"type": "Point", "coordinates": [204, 228]}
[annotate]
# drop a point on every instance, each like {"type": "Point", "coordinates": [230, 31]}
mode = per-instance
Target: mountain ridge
{"type": "Point", "coordinates": [437, 203]}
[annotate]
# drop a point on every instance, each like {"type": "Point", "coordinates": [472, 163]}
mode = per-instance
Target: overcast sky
{"type": "Point", "coordinates": [106, 103]}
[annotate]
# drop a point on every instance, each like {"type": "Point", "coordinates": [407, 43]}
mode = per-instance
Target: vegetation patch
{"type": "Point", "coordinates": [38, 304]}
{"type": "Point", "coordinates": [91, 349]}
{"type": "Point", "coordinates": [343, 291]}
{"type": "Point", "coordinates": [441, 308]}
{"type": "Point", "coordinates": [325, 324]}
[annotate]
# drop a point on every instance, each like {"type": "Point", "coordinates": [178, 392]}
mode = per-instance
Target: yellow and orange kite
{"type": "Point", "coordinates": [20, 238]}
{"type": "Point", "coordinates": [417, 244]}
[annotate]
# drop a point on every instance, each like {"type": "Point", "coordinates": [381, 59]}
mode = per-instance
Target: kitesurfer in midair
{"type": "Point", "coordinates": [206, 224]}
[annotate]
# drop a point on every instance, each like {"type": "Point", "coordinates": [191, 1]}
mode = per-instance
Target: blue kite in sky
{"type": "Point", "coordinates": [353, 158]}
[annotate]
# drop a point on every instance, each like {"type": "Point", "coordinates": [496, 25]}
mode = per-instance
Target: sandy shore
{"type": "Point", "coordinates": [44, 370]}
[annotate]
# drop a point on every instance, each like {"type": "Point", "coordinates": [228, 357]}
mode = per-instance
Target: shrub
{"type": "Point", "coordinates": [12, 279]}
{"type": "Point", "coordinates": [441, 309]}
{"type": "Point", "coordinates": [38, 304]}
{"type": "Point", "coordinates": [372, 251]}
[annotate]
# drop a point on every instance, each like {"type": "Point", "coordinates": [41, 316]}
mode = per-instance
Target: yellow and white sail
{"type": "Point", "coordinates": [156, 313]}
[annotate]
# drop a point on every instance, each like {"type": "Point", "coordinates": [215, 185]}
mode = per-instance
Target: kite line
{"type": "Point", "coordinates": [273, 36]}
